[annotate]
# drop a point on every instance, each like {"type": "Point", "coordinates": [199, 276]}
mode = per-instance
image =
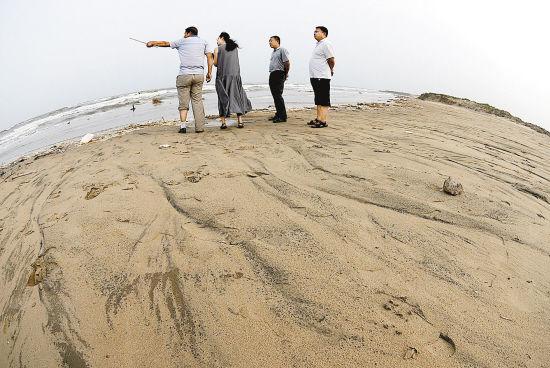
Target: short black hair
{"type": "Point", "coordinates": [193, 30]}
{"type": "Point", "coordinates": [277, 38]}
{"type": "Point", "coordinates": [323, 29]}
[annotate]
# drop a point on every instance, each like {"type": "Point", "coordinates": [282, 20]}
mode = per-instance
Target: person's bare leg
{"type": "Point", "coordinates": [222, 118]}
{"type": "Point", "coordinates": [183, 117]}
{"type": "Point", "coordinates": [323, 113]}
{"type": "Point", "coordinates": [318, 112]}
{"type": "Point", "coordinates": [240, 120]}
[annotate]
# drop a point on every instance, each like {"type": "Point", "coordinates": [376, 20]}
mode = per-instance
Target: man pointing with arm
{"type": "Point", "coordinates": [191, 49]}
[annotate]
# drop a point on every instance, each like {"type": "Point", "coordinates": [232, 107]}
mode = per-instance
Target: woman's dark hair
{"type": "Point", "coordinates": [230, 44]}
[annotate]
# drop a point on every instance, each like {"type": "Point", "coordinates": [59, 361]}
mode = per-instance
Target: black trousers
{"type": "Point", "coordinates": [277, 85]}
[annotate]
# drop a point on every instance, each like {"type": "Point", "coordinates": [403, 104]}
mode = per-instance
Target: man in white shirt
{"type": "Point", "coordinates": [321, 70]}
{"type": "Point", "coordinates": [191, 49]}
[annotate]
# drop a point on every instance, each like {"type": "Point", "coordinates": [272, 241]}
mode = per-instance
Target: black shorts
{"type": "Point", "coordinates": [321, 89]}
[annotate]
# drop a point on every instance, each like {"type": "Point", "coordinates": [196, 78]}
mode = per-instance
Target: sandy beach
{"type": "Point", "coordinates": [279, 245]}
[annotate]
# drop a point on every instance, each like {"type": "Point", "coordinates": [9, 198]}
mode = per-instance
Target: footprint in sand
{"type": "Point", "coordinates": [444, 346]}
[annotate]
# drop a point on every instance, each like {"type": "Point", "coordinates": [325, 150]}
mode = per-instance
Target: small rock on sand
{"type": "Point", "coordinates": [452, 187]}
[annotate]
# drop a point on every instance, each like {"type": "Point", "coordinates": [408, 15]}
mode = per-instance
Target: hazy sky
{"type": "Point", "coordinates": [60, 53]}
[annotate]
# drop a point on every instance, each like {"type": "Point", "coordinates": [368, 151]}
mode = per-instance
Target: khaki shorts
{"type": "Point", "coordinates": [189, 89]}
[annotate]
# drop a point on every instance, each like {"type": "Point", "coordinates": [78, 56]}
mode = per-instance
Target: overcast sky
{"type": "Point", "coordinates": [59, 53]}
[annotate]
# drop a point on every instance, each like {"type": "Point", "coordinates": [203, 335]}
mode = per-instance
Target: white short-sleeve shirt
{"type": "Point", "coordinates": [318, 65]}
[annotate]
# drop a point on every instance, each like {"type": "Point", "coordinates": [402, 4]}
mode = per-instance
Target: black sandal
{"type": "Point", "coordinates": [241, 125]}
{"type": "Point", "coordinates": [313, 122]}
{"type": "Point", "coordinates": [320, 124]}
{"type": "Point", "coordinates": [223, 126]}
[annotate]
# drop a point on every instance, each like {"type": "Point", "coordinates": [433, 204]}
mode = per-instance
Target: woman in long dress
{"type": "Point", "coordinates": [231, 95]}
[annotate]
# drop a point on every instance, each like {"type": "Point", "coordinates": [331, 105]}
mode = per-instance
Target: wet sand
{"type": "Point", "coordinates": [280, 245]}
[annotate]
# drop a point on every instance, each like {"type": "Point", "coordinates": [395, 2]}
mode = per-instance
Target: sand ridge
{"type": "Point", "coordinates": [282, 245]}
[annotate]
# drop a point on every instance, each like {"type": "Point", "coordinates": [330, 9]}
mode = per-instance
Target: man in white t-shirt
{"type": "Point", "coordinates": [321, 70]}
{"type": "Point", "coordinates": [191, 49]}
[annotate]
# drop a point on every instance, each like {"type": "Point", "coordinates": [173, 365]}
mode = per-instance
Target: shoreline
{"type": "Point", "coordinates": [110, 133]}
{"type": "Point", "coordinates": [398, 96]}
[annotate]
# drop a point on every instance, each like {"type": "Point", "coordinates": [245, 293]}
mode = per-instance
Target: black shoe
{"type": "Point", "coordinates": [279, 120]}
{"type": "Point", "coordinates": [273, 117]}
{"type": "Point", "coordinates": [199, 131]}
{"type": "Point", "coordinates": [182, 130]}
{"type": "Point", "coordinates": [320, 124]}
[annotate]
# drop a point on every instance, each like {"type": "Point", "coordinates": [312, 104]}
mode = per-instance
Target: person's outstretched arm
{"type": "Point", "coordinates": [158, 43]}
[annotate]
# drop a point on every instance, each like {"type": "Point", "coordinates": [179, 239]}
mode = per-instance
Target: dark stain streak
{"type": "Point", "coordinates": [534, 193]}
{"type": "Point", "coordinates": [403, 210]}
{"type": "Point", "coordinates": [120, 291]}
{"type": "Point", "coordinates": [70, 356]}
{"type": "Point", "coordinates": [59, 321]}
{"type": "Point", "coordinates": [385, 230]}
{"type": "Point", "coordinates": [140, 237]}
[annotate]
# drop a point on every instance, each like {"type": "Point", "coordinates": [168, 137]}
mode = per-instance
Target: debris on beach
{"type": "Point", "coordinates": [450, 341]}
{"type": "Point", "coordinates": [193, 178]}
{"type": "Point", "coordinates": [94, 191]}
{"type": "Point", "coordinates": [255, 174]}
{"type": "Point", "coordinates": [58, 148]}
{"type": "Point", "coordinates": [165, 146]}
{"type": "Point", "coordinates": [410, 353]}
{"type": "Point", "coordinates": [38, 272]}
{"type": "Point", "coordinates": [157, 100]}
{"type": "Point", "coordinates": [24, 174]}
{"type": "Point", "coordinates": [87, 138]}
{"type": "Point", "coordinates": [452, 187]}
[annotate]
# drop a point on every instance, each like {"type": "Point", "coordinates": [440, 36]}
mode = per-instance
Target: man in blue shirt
{"type": "Point", "coordinates": [191, 49]}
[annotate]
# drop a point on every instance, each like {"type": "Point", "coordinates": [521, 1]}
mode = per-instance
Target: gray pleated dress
{"type": "Point", "coordinates": [231, 95]}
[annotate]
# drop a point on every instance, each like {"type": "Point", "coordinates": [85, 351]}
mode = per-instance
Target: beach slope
{"type": "Point", "coordinates": [279, 245]}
